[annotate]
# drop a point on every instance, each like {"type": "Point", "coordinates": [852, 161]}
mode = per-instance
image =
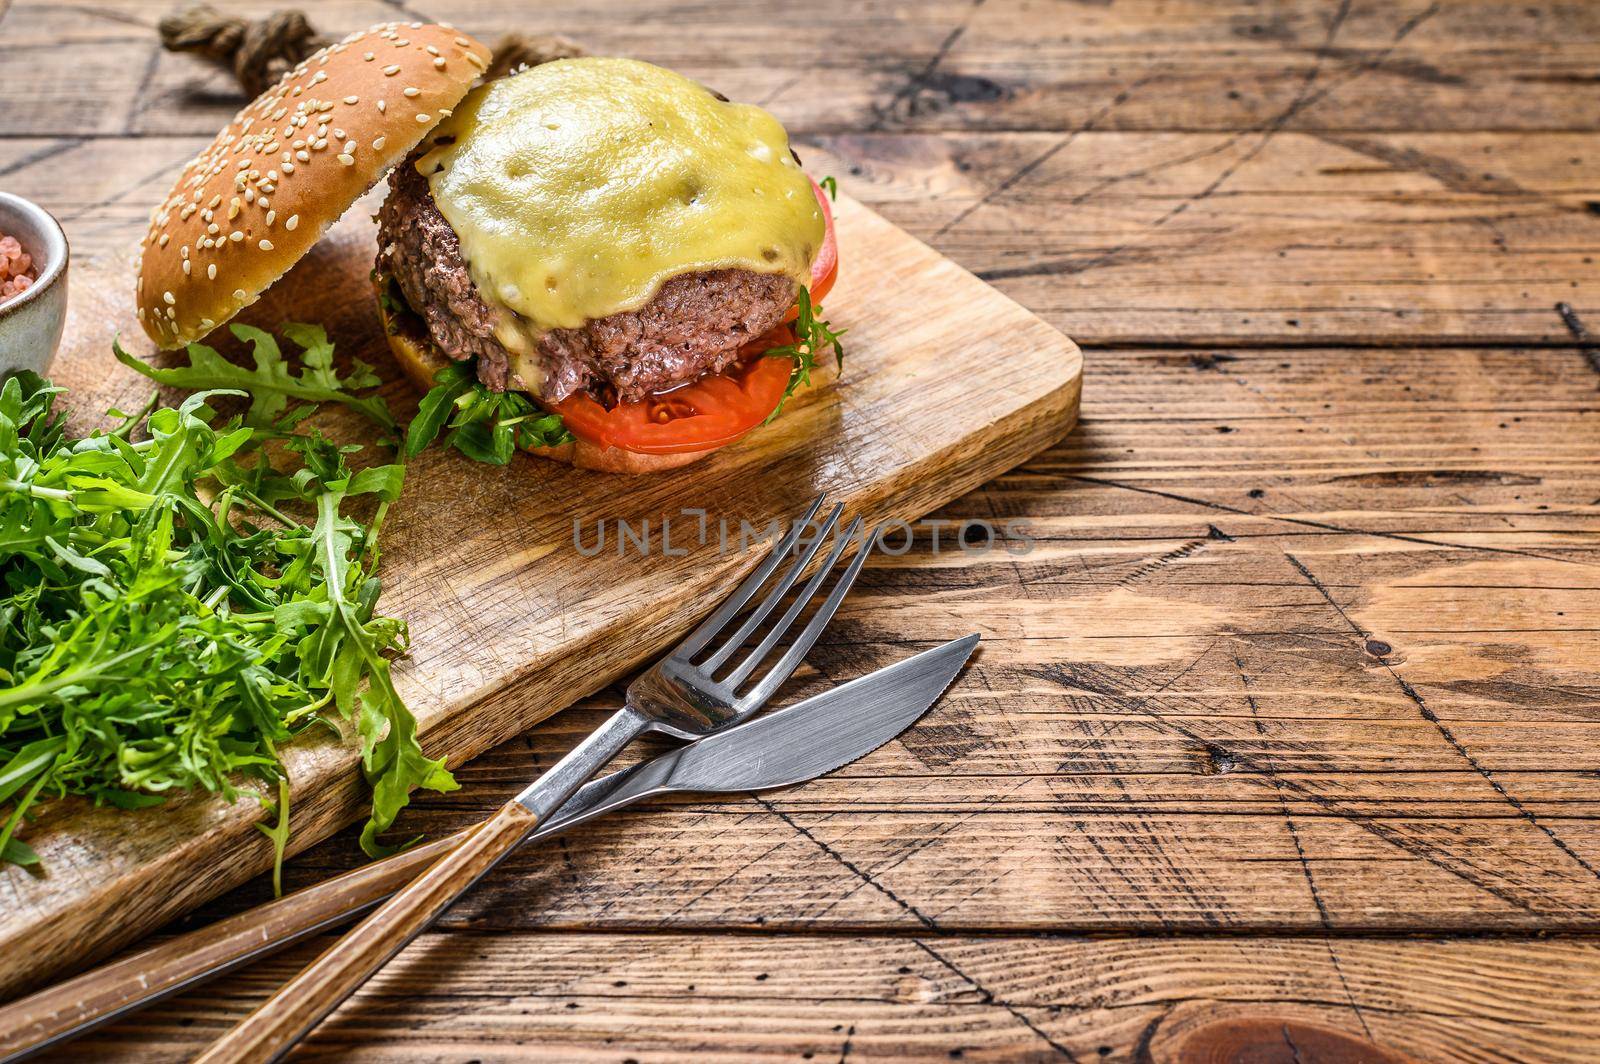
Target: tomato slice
{"type": "Point", "coordinates": [707, 413]}
{"type": "Point", "coordinates": [825, 267]}
{"type": "Point", "coordinates": [712, 411]}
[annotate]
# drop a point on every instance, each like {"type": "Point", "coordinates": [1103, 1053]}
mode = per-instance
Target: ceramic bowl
{"type": "Point", "coordinates": [31, 323]}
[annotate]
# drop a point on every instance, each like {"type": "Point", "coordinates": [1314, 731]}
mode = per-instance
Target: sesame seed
{"type": "Point", "coordinates": [352, 99]}
{"type": "Point", "coordinates": [378, 144]}
{"type": "Point", "coordinates": [187, 266]}
{"type": "Point", "coordinates": [167, 296]}
{"type": "Point", "coordinates": [214, 201]}
{"type": "Point", "coordinates": [338, 134]}
{"type": "Point", "coordinates": [349, 146]}
{"type": "Point", "coordinates": [184, 251]}
{"type": "Point", "coordinates": [463, 42]}
{"type": "Point", "coordinates": [391, 70]}
{"type": "Point", "coordinates": [424, 118]}
{"type": "Point", "coordinates": [240, 294]}
{"type": "Point", "coordinates": [236, 236]}
{"type": "Point", "coordinates": [233, 208]}
{"type": "Point", "coordinates": [288, 167]}
{"type": "Point", "coordinates": [264, 202]}
{"type": "Point", "coordinates": [382, 107]}
{"type": "Point", "coordinates": [211, 271]}
{"type": "Point", "coordinates": [294, 220]}
{"type": "Point", "coordinates": [303, 156]}
{"type": "Point", "coordinates": [243, 164]}
{"type": "Point", "coordinates": [431, 50]}
{"type": "Point", "coordinates": [472, 57]}
{"type": "Point", "coordinates": [368, 56]}
{"type": "Point", "coordinates": [213, 228]}
{"type": "Point", "coordinates": [412, 90]}
{"type": "Point", "coordinates": [265, 245]}
{"type": "Point", "coordinates": [271, 217]}
{"type": "Point", "coordinates": [321, 142]}
{"type": "Point", "coordinates": [347, 160]}
{"type": "Point", "coordinates": [163, 240]}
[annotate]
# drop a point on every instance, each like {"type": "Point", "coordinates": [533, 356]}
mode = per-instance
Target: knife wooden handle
{"type": "Point", "coordinates": [301, 1003]}
{"type": "Point", "coordinates": [78, 1004]}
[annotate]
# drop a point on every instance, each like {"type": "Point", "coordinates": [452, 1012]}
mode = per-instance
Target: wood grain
{"type": "Point", "coordinates": [1139, 237]}
{"type": "Point", "coordinates": [928, 997]}
{"type": "Point", "coordinates": [943, 64]}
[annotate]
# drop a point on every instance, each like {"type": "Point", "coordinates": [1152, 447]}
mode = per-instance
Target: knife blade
{"type": "Point", "coordinates": [801, 742]}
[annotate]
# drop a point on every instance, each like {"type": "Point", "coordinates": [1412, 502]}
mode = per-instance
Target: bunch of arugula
{"type": "Point", "coordinates": [483, 425]}
{"type": "Point", "coordinates": [166, 623]}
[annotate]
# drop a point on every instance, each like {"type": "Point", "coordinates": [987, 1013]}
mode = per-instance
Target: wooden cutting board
{"type": "Point", "coordinates": [948, 383]}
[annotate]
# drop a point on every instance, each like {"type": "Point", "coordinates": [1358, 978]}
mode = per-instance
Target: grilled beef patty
{"type": "Point", "coordinates": [694, 326]}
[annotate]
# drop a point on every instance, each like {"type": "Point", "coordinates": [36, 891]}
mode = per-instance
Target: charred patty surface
{"type": "Point", "coordinates": [695, 325]}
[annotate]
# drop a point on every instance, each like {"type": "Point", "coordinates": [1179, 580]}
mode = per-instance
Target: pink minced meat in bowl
{"type": "Point", "coordinates": [33, 286]}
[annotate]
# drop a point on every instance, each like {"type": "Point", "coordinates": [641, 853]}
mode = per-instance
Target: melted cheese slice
{"type": "Point", "coordinates": [578, 187]}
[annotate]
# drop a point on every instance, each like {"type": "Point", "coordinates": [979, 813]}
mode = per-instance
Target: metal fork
{"type": "Point", "coordinates": [679, 696]}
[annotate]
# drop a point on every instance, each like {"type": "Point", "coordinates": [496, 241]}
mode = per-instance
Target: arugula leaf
{"type": "Point", "coordinates": [271, 383]}
{"type": "Point", "coordinates": [813, 335]}
{"type": "Point", "coordinates": [449, 384]}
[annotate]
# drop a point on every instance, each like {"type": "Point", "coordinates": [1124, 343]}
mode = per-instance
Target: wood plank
{"type": "Point", "coordinates": [925, 997]}
{"type": "Point", "coordinates": [1121, 237]}
{"type": "Point", "coordinates": [944, 64]}
{"type": "Point", "coordinates": [511, 613]}
{"type": "Point", "coordinates": [1294, 238]}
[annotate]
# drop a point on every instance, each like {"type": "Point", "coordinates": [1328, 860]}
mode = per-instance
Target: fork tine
{"type": "Point", "coordinates": [731, 606]}
{"type": "Point", "coordinates": [775, 596]}
{"type": "Point", "coordinates": [808, 635]}
{"type": "Point", "coordinates": [747, 666]}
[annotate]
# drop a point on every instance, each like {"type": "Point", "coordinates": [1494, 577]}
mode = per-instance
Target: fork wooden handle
{"type": "Point", "coordinates": [297, 1007]}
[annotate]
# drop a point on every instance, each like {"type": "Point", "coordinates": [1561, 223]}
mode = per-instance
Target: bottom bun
{"type": "Point", "coordinates": [421, 359]}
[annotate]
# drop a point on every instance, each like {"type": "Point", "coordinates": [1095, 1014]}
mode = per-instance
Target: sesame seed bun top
{"type": "Point", "coordinates": [288, 165]}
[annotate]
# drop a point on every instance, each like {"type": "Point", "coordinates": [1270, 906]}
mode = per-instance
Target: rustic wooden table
{"type": "Point", "coordinates": [1281, 738]}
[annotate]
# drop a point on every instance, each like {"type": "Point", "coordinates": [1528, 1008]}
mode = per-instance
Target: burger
{"type": "Point", "coordinates": [594, 259]}
{"type": "Point", "coordinates": [622, 264]}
